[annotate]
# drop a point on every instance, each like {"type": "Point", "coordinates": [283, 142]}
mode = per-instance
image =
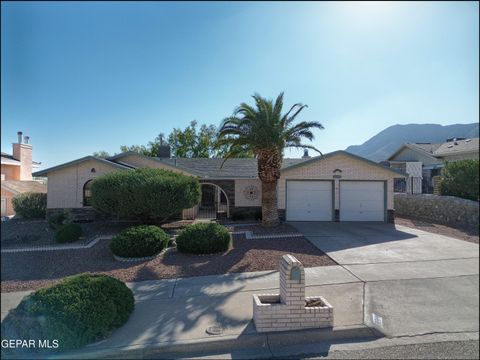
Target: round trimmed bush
{"type": "Point", "coordinates": [80, 310]}
{"type": "Point", "coordinates": [56, 221]}
{"type": "Point", "coordinates": [139, 241]}
{"type": "Point", "coordinates": [30, 205]}
{"type": "Point", "coordinates": [204, 238]}
{"type": "Point", "coordinates": [68, 233]}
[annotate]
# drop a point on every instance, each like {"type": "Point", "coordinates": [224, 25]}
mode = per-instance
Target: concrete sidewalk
{"type": "Point", "coordinates": [169, 314]}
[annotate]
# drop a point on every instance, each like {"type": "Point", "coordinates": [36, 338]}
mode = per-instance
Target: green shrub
{"type": "Point", "coordinates": [68, 233]}
{"type": "Point", "coordinates": [82, 309]}
{"type": "Point", "coordinates": [204, 238]}
{"type": "Point", "coordinates": [460, 178]}
{"type": "Point", "coordinates": [146, 194]}
{"type": "Point", "coordinates": [30, 205]}
{"type": "Point", "coordinates": [139, 241]}
{"type": "Point", "coordinates": [59, 219]}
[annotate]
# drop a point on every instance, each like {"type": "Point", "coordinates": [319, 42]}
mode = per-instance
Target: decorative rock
{"type": "Point", "coordinates": [447, 210]}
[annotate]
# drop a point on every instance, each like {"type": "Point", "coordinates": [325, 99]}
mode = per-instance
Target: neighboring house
{"type": "Point", "coordinates": [423, 161]}
{"type": "Point", "coordinates": [334, 187]}
{"type": "Point", "coordinates": [16, 172]}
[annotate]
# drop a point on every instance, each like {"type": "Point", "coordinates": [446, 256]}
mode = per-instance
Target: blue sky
{"type": "Point", "coordinates": [81, 77]}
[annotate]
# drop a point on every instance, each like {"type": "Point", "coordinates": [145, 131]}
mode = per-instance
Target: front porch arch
{"type": "Point", "coordinates": [218, 198]}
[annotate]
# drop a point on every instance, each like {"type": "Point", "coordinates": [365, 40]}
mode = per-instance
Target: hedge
{"type": "Point", "coordinates": [139, 241]}
{"type": "Point", "coordinates": [460, 178]}
{"type": "Point", "coordinates": [145, 194]}
{"type": "Point", "coordinates": [204, 238]}
{"type": "Point", "coordinates": [80, 310]}
{"type": "Point", "coordinates": [30, 205]}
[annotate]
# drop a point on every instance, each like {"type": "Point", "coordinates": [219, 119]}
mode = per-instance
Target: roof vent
{"type": "Point", "coordinates": [468, 140]}
{"type": "Point", "coordinates": [305, 154]}
{"type": "Point", "coordinates": [450, 146]}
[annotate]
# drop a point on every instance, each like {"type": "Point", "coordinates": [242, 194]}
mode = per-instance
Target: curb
{"type": "Point", "coordinates": [258, 342]}
{"type": "Point", "coordinates": [93, 242]}
{"type": "Point", "coordinates": [145, 258]}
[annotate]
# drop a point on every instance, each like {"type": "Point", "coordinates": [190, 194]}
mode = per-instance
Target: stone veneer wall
{"type": "Point", "coordinates": [448, 210]}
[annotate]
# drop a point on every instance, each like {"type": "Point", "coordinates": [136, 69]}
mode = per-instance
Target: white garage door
{"type": "Point", "coordinates": [362, 201]}
{"type": "Point", "coordinates": [309, 201]}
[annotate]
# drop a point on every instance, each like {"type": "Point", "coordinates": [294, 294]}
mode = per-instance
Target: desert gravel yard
{"type": "Point", "coordinates": [31, 270]}
{"type": "Point", "coordinates": [470, 235]}
{"type": "Point", "coordinates": [37, 233]}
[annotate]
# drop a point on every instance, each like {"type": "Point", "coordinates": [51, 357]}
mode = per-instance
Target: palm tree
{"type": "Point", "coordinates": [265, 132]}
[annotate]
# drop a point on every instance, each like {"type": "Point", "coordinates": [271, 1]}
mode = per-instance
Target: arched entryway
{"type": "Point", "coordinates": [214, 203]}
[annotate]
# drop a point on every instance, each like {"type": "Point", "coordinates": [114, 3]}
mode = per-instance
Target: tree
{"type": "Point", "coordinates": [266, 133]}
{"type": "Point", "coordinates": [189, 143]}
{"type": "Point", "coordinates": [460, 178]}
{"type": "Point", "coordinates": [101, 154]}
{"type": "Point", "coordinates": [141, 149]}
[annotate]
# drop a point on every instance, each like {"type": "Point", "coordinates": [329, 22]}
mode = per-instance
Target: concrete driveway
{"type": "Point", "coordinates": [415, 282]}
{"type": "Point", "coordinates": [369, 243]}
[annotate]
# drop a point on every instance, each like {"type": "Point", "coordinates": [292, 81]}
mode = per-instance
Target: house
{"type": "Point", "coordinates": [338, 186]}
{"type": "Point", "coordinates": [16, 174]}
{"type": "Point", "coordinates": [423, 161]}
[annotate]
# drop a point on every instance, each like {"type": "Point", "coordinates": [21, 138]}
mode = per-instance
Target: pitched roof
{"type": "Point", "coordinates": [5, 160]}
{"type": "Point", "coordinates": [342, 152]}
{"type": "Point", "coordinates": [20, 186]}
{"type": "Point", "coordinates": [421, 148]}
{"type": "Point", "coordinates": [235, 168]}
{"type": "Point", "coordinates": [428, 147]}
{"type": "Point", "coordinates": [457, 147]}
{"type": "Point", "coordinates": [10, 160]}
{"type": "Point", "coordinates": [77, 161]}
{"type": "Point", "coordinates": [211, 168]}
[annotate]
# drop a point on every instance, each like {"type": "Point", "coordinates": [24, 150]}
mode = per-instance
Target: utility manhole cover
{"type": "Point", "coordinates": [214, 330]}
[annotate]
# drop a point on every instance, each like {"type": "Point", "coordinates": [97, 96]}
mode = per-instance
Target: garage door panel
{"type": "Point", "coordinates": [373, 196]}
{"type": "Point", "coordinates": [362, 201]}
{"type": "Point", "coordinates": [309, 201]}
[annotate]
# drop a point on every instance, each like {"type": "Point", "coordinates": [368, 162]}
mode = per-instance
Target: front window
{"type": "Point", "coordinates": [87, 193]}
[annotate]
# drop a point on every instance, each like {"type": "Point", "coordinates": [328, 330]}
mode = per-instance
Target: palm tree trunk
{"type": "Point", "coordinates": [269, 204]}
{"type": "Point", "coordinates": [269, 164]}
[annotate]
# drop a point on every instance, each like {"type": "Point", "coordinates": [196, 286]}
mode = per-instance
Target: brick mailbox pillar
{"type": "Point", "coordinates": [292, 281]}
{"type": "Point", "coordinates": [291, 310]}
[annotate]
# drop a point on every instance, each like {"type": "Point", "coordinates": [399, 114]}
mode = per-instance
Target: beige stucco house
{"type": "Point", "coordinates": [337, 186]}
{"type": "Point", "coordinates": [423, 161]}
{"type": "Point", "coordinates": [16, 174]}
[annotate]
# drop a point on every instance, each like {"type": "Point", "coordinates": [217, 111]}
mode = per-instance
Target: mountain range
{"type": "Point", "coordinates": [386, 142]}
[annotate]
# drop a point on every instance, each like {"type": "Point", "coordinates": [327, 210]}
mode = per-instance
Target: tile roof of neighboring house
{"type": "Point", "coordinates": [18, 186]}
{"type": "Point", "coordinates": [421, 148]}
{"type": "Point", "coordinates": [430, 148]}
{"type": "Point", "coordinates": [457, 147]}
{"type": "Point", "coordinates": [9, 160]}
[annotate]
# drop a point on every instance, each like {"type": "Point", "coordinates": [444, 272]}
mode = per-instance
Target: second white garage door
{"type": "Point", "coordinates": [362, 201]}
{"type": "Point", "coordinates": [309, 201]}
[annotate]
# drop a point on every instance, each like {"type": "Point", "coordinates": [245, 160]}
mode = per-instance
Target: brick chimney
{"type": "Point", "coordinates": [22, 151]}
